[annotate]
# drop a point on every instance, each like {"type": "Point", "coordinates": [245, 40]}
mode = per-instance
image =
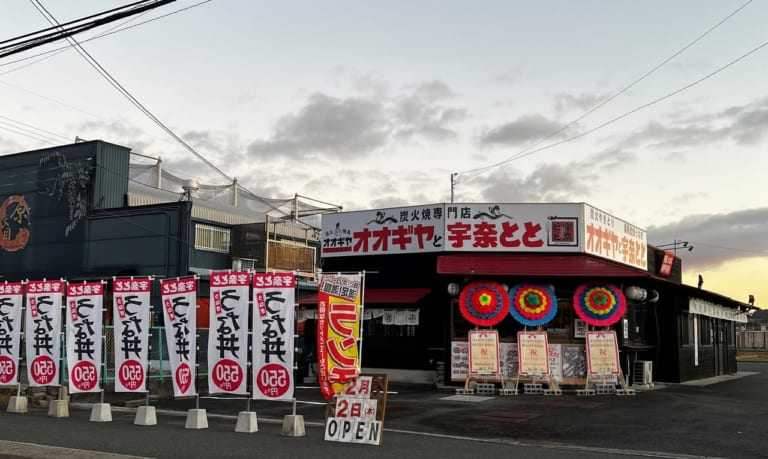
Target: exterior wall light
{"type": "Point", "coordinates": [636, 293]}
{"type": "Point", "coordinates": [453, 289]}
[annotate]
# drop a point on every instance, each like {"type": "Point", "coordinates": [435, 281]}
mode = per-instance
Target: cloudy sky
{"type": "Point", "coordinates": [371, 105]}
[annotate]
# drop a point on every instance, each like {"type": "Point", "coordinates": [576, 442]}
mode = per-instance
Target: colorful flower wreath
{"type": "Point", "coordinates": [599, 304]}
{"type": "Point", "coordinates": [532, 304]}
{"type": "Point", "coordinates": [484, 303]}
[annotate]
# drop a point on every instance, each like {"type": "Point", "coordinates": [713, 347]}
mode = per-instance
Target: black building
{"type": "Point", "coordinates": [85, 211]}
{"type": "Point", "coordinates": [669, 332]}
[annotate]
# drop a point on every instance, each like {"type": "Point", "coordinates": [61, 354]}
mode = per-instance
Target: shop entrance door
{"type": "Point", "coordinates": [719, 340]}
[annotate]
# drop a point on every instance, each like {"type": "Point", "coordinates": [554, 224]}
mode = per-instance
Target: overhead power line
{"type": "Point", "coordinates": [66, 24]}
{"type": "Point", "coordinates": [38, 132]}
{"type": "Point", "coordinates": [48, 54]}
{"type": "Point", "coordinates": [532, 148]}
{"type": "Point", "coordinates": [118, 28]}
{"type": "Point", "coordinates": [124, 92]}
{"type": "Point", "coordinates": [60, 31]}
{"type": "Point", "coordinates": [641, 107]}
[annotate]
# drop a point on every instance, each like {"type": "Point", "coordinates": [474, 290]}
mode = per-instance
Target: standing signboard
{"type": "Point", "coordinates": [43, 332]}
{"type": "Point", "coordinates": [11, 295]}
{"type": "Point", "coordinates": [228, 332]}
{"type": "Point", "coordinates": [84, 332]}
{"type": "Point", "coordinates": [179, 298]}
{"type": "Point", "coordinates": [602, 354]}
{"type": "Point", "coordinates": [356, 414]}
{"type": "Point", "coordinates": [533, 353]}
{"type": "Point", "coordinates": [130, 314]}
{"type": "Point", "coordinates": [484, 352]}
{"type": "Point", "coordinates": [274, 303]}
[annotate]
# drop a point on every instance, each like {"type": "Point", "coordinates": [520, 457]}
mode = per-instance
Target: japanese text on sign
{"type": "Point", "coordinates": [398, 230]}
{"type": "Point", "coordinates": [602, 353]}
{"type": "Point", "coordinates": [614, 239]}
{"type": "Point", "coordinates": [273, 335]}
{"type": "Point", "coordinates": [131, 317]}
{"type": "Point", "coordinates": [43, 326]}
{"type": "Point", "coordinates": [179, 297]}
{"type": "Point", "coordinates": [356, 417]}
{"type": "Point", "coordinates": [228, 335]}
{"type": "Point", "coordinates": [483, 352]}
{"type": "Point", "coordinates": [533, 353]}
{"type": "Point", "coordinates": [10, 330]}
{"type": "Point", "coordinates": [338, 331]}
{"type": "Point", "coordinates": [84, 332]}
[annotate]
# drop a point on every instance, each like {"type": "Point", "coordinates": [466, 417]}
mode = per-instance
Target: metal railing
{"type": "Point", "coordinates": [159, 365]}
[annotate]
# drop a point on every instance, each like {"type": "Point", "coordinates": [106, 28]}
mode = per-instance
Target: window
{"type": "Point", "coordinates": [705, 331]}
{"type": "Point", "coordinates": [377, 327]}
{"type": "Point", "coordinates": [211, 238]}
{"type": "Point", "coordinates": [686, 329]}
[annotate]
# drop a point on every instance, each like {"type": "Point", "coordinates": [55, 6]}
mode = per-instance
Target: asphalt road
{"type": "Point", "coordinates": [725, 418]}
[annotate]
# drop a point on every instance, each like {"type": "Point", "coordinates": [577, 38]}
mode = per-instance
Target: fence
{"type": "Point", "coordinates": [752, 339]}
{"type": "Point", "coordinates": [159, 366]}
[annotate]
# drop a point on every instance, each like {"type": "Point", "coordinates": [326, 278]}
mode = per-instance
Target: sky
{"type": "Point", "coordinates": [372, 105]}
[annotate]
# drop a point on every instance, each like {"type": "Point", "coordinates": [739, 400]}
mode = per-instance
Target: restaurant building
{"type": "Point", "coordinates": [417, 260]}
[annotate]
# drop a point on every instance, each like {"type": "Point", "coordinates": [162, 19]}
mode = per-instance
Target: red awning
{"type": "Point", "coordinates": [382, 295]}
{"type": "Point", "coordinates": [541, 264]}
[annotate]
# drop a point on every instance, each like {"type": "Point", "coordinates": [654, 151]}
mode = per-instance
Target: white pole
{"type": "Point", "coordinates": [362, 320]}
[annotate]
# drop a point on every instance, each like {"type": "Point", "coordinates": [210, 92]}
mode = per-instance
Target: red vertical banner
{"type": "Point", "coordinates": [43, 332]}
{"type": "Point", "coordinates": [130, 316]}
{"type": "Point", "coordinates": [667, 263]}
{"type": "Point", "coordinates": [274, 302]}
{"type": "Point", "coordinates": [228, 332]}
{"type": "Point", "coordinates": [11, 295]}
{"type": "Point", "coordinates": [85, 302]}
{"type": "Point", "coordinates": [179, 298]}
{"type": "Point", "coordinates": [339, 313]}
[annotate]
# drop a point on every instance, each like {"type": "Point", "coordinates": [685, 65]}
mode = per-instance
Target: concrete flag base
{"type": "Point", "coordinates": [196, 419]}
{"type": "Point", "coordinates": [293, 426]}
{"type": "Point", "coordinates": [101, 412]}
{"type": "Point", "coordinates": [58, 409]}
{"type": "Point", "coordinates": [247, 422]}
{"type": "Point", "coordinates": [146, 416]}
{"type": "Point", "coordinates": [18, 404]}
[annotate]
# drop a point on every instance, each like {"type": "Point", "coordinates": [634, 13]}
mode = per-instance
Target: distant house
{"type": "Point", "coordinates": [758, 320]}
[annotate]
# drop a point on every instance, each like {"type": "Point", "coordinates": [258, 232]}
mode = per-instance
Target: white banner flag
{"type": "Point", "coordinates": [228, 332]}
{"type": "Point", "coordinates": [273, 315]}
{"type": "Point", "coordinates": [179, 311]}
{"type": "Point", "coordinates": [84, 331]}
{"type": "Point", "coordinates": [43, 332]}
{"type": "Point", "coordinates": [11, 295]}
{"type": "Point", "coordinates": [130, 314]}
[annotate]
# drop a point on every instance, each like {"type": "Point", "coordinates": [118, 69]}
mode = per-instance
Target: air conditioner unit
{"type": "Point", "coordinates": [243, 264]}
{"type": "Point", "coordinates": [642, 373]}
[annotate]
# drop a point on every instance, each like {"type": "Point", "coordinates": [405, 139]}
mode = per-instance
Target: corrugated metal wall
{"type": "Point", "coordinates": [110, 185]}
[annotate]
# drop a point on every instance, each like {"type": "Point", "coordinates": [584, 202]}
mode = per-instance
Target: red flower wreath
{"type": "Point", "coordinates": [484, 303]}
{"type": "Point", "coordinates": [599, 304]}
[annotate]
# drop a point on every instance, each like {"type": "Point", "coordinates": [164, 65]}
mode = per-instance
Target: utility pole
{"type": "Point", "coordinates": [453, 184]}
